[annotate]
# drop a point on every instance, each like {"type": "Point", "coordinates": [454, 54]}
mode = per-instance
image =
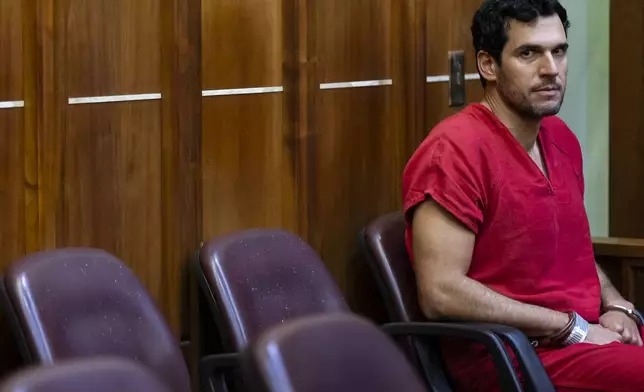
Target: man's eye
{"type": "Point", "coordinates": [527, 53]}
{"type": "Point", "coordinates": [559, 52]}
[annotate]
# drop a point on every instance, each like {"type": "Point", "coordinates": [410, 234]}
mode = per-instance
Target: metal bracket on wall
{"type": "Point", "coordinates": [456, 78]}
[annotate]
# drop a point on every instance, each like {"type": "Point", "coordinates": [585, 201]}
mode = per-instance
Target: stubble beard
{"type": "Point", "coordinates": [521, 103]}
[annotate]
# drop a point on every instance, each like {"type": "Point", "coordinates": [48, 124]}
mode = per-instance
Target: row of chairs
{"type": "Point", "coordinates": [261, 286]}
{"type": "Point", "coordinates": [315, 353]}
{"type": "Point", "coordinates": [326, 352]}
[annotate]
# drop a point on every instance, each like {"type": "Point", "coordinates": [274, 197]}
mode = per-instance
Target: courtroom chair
{"type": "Point", "coordinates": [343, 352]}
{"type": "Point", "coordinates": [321, 353]}
{"type": "Point", "coordinates": [99, 374]}
{"type": "Point", "coordinates": [383, 242]}
{"type": "Point", "coordinates": [255, 279]}
{"type": "Point", "coordinates": [80, 303]}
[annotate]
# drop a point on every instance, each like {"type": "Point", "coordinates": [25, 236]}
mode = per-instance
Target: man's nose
{"type": "Point", "coordinates": [549, 65]}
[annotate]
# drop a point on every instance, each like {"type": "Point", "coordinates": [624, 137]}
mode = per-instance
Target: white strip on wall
{"type": "Point", "coordinates": [361, 83]}
{"type": "Point", "coordinates": [445, 78]}
{"type": "Point", "coordinates": [242, 91]}
{"type": "Point", "coordinates": [11, 104]}
{"type": "Point", "coordinates": [114, 98]}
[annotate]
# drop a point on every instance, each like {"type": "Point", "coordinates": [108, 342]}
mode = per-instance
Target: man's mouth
{"type": "Point", "coordinates": [547, 88]}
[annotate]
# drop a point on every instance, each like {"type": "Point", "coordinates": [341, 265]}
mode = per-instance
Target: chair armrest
{"type": "Point", "coordinates": [507, 376]}
{"type": "Point", "coordinates": [535, 377]}
{"type": "Point", "coordinates": [213, 367]}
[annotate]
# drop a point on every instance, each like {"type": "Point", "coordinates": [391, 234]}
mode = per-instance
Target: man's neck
{"type": "Point", "coordinates": [523, 129]}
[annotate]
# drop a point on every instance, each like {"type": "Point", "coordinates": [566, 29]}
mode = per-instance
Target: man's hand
{"type": "Point", "coordinates": [600, 335]}
{"type": "Point", "coordinates": [620, 323]}
{"type": "Point", "coordinates": [617, 321]}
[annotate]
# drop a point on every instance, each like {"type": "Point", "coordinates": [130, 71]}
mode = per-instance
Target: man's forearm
{"type": "Point", "coordinates": [467, 299]}
{"type": "Point", "coordinates": [610, 295]}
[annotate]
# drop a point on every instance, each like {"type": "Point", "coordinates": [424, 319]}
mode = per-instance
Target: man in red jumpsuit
{"type": "Point", "coordinates": [496, 224]}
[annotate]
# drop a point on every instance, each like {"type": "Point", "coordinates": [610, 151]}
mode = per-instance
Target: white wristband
{"type": "Point", "coordinates": [579, 331]}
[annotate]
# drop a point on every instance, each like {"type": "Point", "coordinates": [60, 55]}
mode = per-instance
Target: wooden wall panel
{"type": "Point", "coordinates": [448, 29]}
{"type": "Point", "coordinates": [623, 261]}
{"type": "Point", "coordinates": [356, 164]}
{"type": "Point", "coordinates": [247, 156]}
{"type": "Point", "coordinates": [12, 160]}
{"type": "Point", "coordinates": [12, 223]}
{"type": "Point", "coordinates": [10, 50]}
{"type": "Point", "coordinates": [356, 145]}
{"type": "Point", "coordinates": [102, 163]}
{"type": "Point", "coordinates": [113, 47]}
{"type": "Point", "coordinates": [411, 60]}
{"type": "Point", "coordinates": [110, 156]}
{"type": "Point", "coordinates": [626, 118]}
{"type": "Point", "coordinates": [12, 196]}
{"type": "Point", "coordinates": [242, 43]}
{"type": "Point", "coordinates": [181, 168]}
{"type": "Point", "coordinates": [121, 176]}
{"type": "Point", "coordinates": [111, 152]}
{"type": "Point", "coordinates": [353, 40]}
{"type": "Point", "coordinates": [112, 184]}
{"type": "Point", "coordinates": [248, 175]}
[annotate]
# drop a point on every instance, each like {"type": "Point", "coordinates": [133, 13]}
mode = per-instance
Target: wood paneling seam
{"type": "Point", "coordinates": [114, 98]}
{"type": "Point", "coordinates": [241, 91]}
{"type": "Point", "coordinates": [11, 104]}
{"type": "Point", "coordinates": [360, 83]}
{"type": "Point", "coordinates": [445, 78]}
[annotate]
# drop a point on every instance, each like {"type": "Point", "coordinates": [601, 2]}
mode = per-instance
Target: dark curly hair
{"type": "Point", "coordinates": [491, 22]}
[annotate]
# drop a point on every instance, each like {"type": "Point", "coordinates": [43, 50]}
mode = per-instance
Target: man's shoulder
{"type": "Point", "coordinates": [463, 138]}
{"type": "Point", "coordinates": [561, 135]}
{"type": "Point", "coordinates": [465, 129]}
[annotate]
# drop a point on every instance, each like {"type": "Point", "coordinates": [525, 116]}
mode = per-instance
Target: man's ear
{"type": "Point", "coordinates": [487, 66]}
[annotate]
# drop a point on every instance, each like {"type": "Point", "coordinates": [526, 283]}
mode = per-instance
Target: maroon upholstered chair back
{"type": "Point", "coordinates": [258, 278]}
{"type": "Point", "coordinates": [80, 302]}
{"type": "Point", "coordinates": [320, 353]}
{"type": "Point", "coordinates": [384, 242]}
{"type": "Point", "coordinates": [91, 374]}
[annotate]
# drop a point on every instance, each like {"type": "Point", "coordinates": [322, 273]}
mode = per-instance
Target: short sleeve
{"type": "Point", "coordinates": [450, 173]}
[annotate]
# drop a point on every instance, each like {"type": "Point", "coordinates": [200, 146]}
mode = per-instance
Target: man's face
{"type": "Point", "coordinates": [532, 78]}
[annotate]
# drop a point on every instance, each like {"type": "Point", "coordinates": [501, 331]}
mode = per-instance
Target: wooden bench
{"type": "Point", "coordinates": [623, 261]}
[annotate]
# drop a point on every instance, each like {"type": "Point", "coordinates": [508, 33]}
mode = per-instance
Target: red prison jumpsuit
{"type": "Point", "coordinates": [533, 239]}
